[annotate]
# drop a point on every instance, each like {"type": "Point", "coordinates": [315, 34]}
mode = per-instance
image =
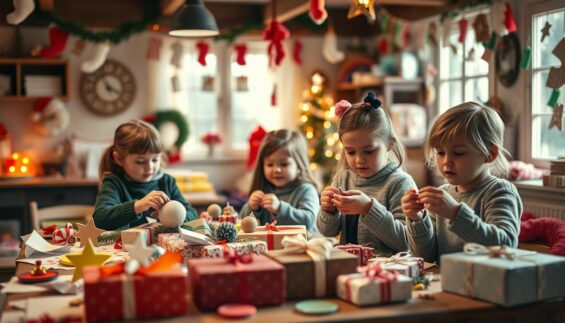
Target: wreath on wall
{"type": "Point", "coordinates": [174, 131]}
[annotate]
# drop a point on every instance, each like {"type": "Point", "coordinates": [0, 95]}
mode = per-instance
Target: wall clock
{"type": "Point", "coordinates": [109, 90]}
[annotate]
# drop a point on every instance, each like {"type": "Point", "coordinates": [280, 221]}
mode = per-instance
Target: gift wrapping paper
{"type": "Point", "coordinates": [218, 281]}
{"type": "Point", "coordinates": [121, 297]}
{"type": "Point", "coordinates": [364, 253]}
{"type": "Point", "coordinates": [148, 231]}
{"type": "Point", "coordinates": [363, 290]}
{"type": "Point", "coordinates": [198, 225]}
{"type": "Point", "coordinates": [403, 262]}
{"type": "Point", "coordinates": [273, 235]}
{"type": "Point", "coordinates": [523, 278]}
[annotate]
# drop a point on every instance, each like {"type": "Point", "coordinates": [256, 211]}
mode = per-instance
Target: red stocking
{"type": "Point", "coordinates": [463, 24]}
{"type": "Point", "coordinates": [318, 13]}
{"type": "Point", "coordinates": [58, 41]}
{"type": "Point", "coordinates": [240, 50]}
{"type": "Point", "coordinates": [275, 33]}
{"type": "Point", "coordinates": [297, 52]}
{"type": "Point", "coordinates": [203, 48]}
{"type": "Point", "coordinates": [255, 139]}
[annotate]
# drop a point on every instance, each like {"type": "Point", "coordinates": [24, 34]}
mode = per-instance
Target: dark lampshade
{"type": "Point", "coordinates": [194, 20]}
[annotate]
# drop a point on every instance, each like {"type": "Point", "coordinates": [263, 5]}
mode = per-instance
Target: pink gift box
{"type": "Point", "coordinates": [364, 253]}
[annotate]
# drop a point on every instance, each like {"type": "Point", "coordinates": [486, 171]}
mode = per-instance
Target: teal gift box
{"type": "Point", "coordinates": [504, 276]}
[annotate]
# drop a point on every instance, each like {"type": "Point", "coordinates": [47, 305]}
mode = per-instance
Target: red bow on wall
{"type": "Point", "coordinates": [275, 33]}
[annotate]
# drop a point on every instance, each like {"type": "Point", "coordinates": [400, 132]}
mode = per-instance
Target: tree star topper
{"type": "Point", "coordinates": [87, 257]}
{"type": "Point", "coordinates": [88, 231]}
{"type": "Point", "coordinates": [365, 7]}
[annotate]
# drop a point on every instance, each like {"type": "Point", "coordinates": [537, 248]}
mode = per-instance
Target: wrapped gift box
{"type": "Point", "coordinates": [403, 262]}
{"type": "Point", "coordinates": [121, 297]}
{"type": "Point", "coordinates": [374, 286]}
{"type": "Point", "coordinates": [173, 243]}
{"type": "Point", "coordinates": [198, 225]}
{"type": "Point", "coordinates": [508, 278]}
{"type": "Point", "coordinates": [301, 278]}
{"type": "Point", "coordinates": [148, 231]}
{"type": "Point", "coordinates": [273, 235]}
{"type": "Point", "coordinates": [247, 279]}
{"type": "Point", "coordinates": [364, 253]}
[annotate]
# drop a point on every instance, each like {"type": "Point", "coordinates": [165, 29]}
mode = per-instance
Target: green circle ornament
{"type": "Point", "coordinates": [178, 119]}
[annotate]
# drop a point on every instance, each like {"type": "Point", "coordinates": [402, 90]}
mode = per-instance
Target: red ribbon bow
{"type": "Point", "coordinates": [275, 34]}
{"type": "Point", "coordinates": [271, 226]}
{"type": "Point", "coordinates": [233, 257]}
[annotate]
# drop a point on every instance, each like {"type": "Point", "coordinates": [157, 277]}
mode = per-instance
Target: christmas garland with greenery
{"type": "Point", "coordinates": [122, 32]}
{"type": "Point", "coordinates": [178, 119]}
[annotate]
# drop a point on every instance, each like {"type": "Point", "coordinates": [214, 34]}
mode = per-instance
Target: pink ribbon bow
{"type": "Point", "coordinates": [341, 108]}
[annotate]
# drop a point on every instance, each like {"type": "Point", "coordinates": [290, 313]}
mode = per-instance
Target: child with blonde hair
{"type": "Point", "coordinates": [465, 143]}
{"type": "Point", "coordinates": [133, 186]}
{"type": "Point", "coordinates": [283, 188]}
{"type": "Point", "coordinates": [362, 204]}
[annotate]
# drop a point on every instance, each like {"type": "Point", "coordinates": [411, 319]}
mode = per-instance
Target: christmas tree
{"type": "Point", "coordinates": [319, 126]}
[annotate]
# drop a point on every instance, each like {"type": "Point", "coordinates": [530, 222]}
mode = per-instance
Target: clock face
{"type": "Point", "coordinates": [109, 90]}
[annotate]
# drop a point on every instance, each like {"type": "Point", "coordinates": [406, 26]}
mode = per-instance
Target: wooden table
{"type": "Point", "coordinates": [443, 307]}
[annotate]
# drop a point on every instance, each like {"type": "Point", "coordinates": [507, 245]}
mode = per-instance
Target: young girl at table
{"type": "Point", "coordinates": [283, 188]}
{"type": "Point", "coordinates": [362, 204]}
{"type": "Point", "coordinates": [133, 186]}
{"type": "Point", "coordinates": [475, 206]}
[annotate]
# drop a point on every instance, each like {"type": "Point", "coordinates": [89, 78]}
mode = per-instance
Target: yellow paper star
{"type": "Point", "coordinates": [87, 257]}
{"type": "Point", "coordinates": [365, 7]}
{"type": "Point", "coordinates": [88, 231]}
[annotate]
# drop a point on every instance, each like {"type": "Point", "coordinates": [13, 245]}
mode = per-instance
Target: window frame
{"type": "Point", "coordinates": [532, 7]}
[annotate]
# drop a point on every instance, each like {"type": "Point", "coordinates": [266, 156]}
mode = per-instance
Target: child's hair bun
{"type": "Point", "coordinates": [372, 101]}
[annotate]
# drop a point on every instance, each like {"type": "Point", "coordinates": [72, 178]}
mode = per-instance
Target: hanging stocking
{"type": "Point", "coordinates": [489, 47]}
{"type": "Point", "coordinates": [57, 42]}
{"type": "Point", "coordinates": [318, 13]}
{"type": "Point", "coordinates": [176, 58]}
{"type": "Point", "coordinates": [79, 47]}
{"type": "Point", "coordinates": [255, 139]}
{"type": "Point", "coordinates": [396, 33]}
{"type": "Point", "coordinates": [497, 17]}
{"type": "Point", "coordinates": [274, 96]}
{"type": "Point", "coordinates": [203, 49]}
{"type": "Point", "coordinates": [407, 35]}
{"type": "Point", "coordinates": [154, 48]}
{"type": "Point", "coordinates": [329, 47]}
{"type": "Point", "coordinates": [240, 51]}
{"type": "Point", "coordinates": [275, 33]}
{"type": "Point", "coordinates": [297, 52]}
{"type": "Point", "coordinates": [382, 46]}
{"type": "Point", "coordinates": [22, 9]}
{"type": "Point", "coordinates": [463, 23]}
{"type": "Point", "coordinates": [526, 58]}
{"type": "Point", "coordinates": [509, 21]}
{"type": "Point", "coordinates": [384, 23]}
{"type": "Point", "coordinates": [97, 57]}
{"type": "Point", "coordinates": [481, 28]}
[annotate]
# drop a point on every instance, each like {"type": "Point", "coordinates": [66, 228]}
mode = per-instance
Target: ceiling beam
{"type": "Point", "coordinates": [169, 7]}
{"type": "Point", "coordinates": [285, 10]}
{"type": "Point", "coordinates": [46, 5]}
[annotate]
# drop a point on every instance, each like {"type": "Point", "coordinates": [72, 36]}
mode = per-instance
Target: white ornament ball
{"type": "Point", "coordinates": [248, 224]}
{"type": "Point", "coordinates": [214, 210]}
{"type": "Point", "coordinates": [172, 214]}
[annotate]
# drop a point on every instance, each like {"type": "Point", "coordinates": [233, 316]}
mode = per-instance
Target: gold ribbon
{"type": "Point", "coordinates": [317, 249]}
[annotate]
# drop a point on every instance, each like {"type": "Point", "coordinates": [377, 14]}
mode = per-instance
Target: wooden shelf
{"type": "Point", "coordinates": [16, 70]}
{"type": "Point", "coordinates": [353, 86]}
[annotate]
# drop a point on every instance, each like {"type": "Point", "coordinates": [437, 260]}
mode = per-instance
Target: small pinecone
{"type": "Point", "coordinates": [226, 231]}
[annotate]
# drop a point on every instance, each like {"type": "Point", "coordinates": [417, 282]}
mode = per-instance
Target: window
{"type": "Point", "coordinates": [462, 76]}
{"type": "Point", "coordinates": [228, 98]}
{"type": "Point", "coordinates": [545, 143]}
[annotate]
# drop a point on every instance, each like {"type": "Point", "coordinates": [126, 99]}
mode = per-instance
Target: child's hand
{"type": "Point", "coordinates": [410, 206]}
{"type": "Point", "coordinates": [327, 197]}
{"type": "Point", "coordinates": [271, 202]}
{"type": "Point", "coordinates": [352, 202]}
{"type": "Point", "coordinates": [439, 202]}
{"type": "Point", "coordinates": [255, 200]}
{"type": "Point", "coordinates": [154, 200]}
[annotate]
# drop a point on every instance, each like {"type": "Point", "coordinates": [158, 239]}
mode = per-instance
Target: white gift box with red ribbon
{"type": "Point", "coordinates": [403, 262]}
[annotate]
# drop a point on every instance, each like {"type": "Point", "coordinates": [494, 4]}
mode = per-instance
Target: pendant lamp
{"type": "Point", "coordinates": [194, 20]}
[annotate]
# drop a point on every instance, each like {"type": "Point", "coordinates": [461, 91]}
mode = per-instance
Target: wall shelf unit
{"type": "Point", "coordinates": [26, 79]}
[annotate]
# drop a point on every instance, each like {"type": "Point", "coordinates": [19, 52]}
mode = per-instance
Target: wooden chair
{"type": "Point", "coordinates": [78, 212]}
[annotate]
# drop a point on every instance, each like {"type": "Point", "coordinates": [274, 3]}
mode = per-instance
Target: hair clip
{"type": "Point", "coordinates": [371, 101]}
{"type": "Point", "coordinates": [341, 108]}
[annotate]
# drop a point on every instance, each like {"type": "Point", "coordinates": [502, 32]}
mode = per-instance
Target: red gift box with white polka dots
{"type": "Point", "coordinates": [120, 297]}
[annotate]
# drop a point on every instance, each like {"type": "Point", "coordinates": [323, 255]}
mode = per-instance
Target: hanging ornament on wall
{"type": "Point", "coordinates": [297, 52]}
{"type": "Point", "coordinates": [317, 11]}
{"type": "Point", "coordinates": [97, 57]}
{"type": "Point", "coordinates": [481, 28]}
{"type": "Point", "coordinates": [362, 7]}
{"type": "Point", "coordinates": [489, 47]}
{"type": "Point", "coordinates": [463, 24]}
{"type": "Point", "coordinates": [22, 9]}
{"type": "Point", "coordinates": [545, 31]}
{"type": "Point", "coordinates": [275, 34]}
{"type": "Point", "coordinates": [432, 33]}
{"type": "Point", "coordinates": [154, 48]}
{"type": "Point", "coordinates": [79, 47]}
{"type": "Point", "coordinates": [177, 50]}
{"type": "Point", "coordinates": [497, 17]}
{"type": "Point", "coordinates": [330, 50]}
{"type": "Point", "coordinates": [57, 42]}
{"type": "Point", "coordinates": [509, 21]}
{"type": "Point", "coordinates": [203, 48]}
{"type": "Point", "coordinates": [240, 51]}
{"type": "Point", "coordinates": [557, 117]}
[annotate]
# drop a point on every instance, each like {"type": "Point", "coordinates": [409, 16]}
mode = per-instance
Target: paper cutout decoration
{"type": "Point", "coordinates": [481, 28]}
{"type": "Point", "coordinates": [176, 58]}
{"type": "Point", "coordinates": [545, 31]}
{"type": "Point", "coordinates": [556, 77]}
{"type": "Point", "coordinates": [139, 250]}
{"type": "Point", "coordinates": [87, 257]}
{"type": "Point", "coordinates": [87, 232]}
{"type": "Point", "coordinates": [362, 7]}
{"type": "Point", "coordinates": [557, 118]}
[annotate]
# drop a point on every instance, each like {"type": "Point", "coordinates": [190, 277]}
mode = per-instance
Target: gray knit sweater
{"type": "Point", "coordinates": [489, 215]}
{"type": "Point", "coordinates": [383, 227]}
{"type": "Point", "coordinates": [299, 205]}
